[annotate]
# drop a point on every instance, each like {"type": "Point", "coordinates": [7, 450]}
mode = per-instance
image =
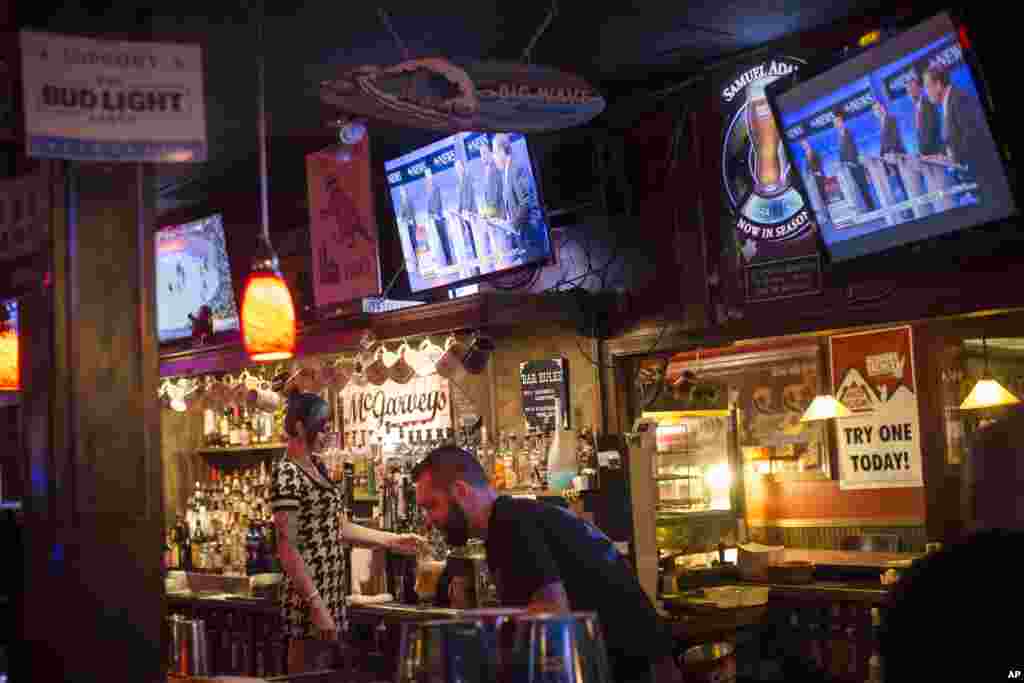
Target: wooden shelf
{"type": "Point", "coordinates": [233, 450]}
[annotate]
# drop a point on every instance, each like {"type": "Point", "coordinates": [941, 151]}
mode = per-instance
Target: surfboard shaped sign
{"type": "Point", "coordinates": [438, 94]}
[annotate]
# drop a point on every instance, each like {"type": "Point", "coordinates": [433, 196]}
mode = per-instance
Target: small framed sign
{"type": "Point", "coordinates": [545, 384]}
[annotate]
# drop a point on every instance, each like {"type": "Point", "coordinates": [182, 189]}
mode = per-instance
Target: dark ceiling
{"type": "Point", "coordinates": [637, 45]}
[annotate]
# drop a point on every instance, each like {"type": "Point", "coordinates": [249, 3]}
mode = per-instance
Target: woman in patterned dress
{"type": "Point", "coordinates": [311, 532]}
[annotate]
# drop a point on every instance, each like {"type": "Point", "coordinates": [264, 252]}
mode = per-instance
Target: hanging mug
{"type": "Point", "coordinates": [424, 360]}
{"type": "Point", "coordinates": [329, 375]}
{"type": "Point", "coordinates": [263, 398]}
{"type": "Point", "coordinates": [450, 364]}
{"type": "Point", "coordinates": [343, 372]}
{"type": "Point", "coordinates": [478, 353]}
{"type": "Point", "coordinates": [401, 372]}
{"type": "Point", "coordinates": [376, 372]}
{"type": "Point", "coordinates": [359, 371]}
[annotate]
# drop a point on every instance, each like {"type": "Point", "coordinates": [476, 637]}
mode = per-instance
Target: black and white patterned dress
{"type": "Point", "coordinates": [320, 509]}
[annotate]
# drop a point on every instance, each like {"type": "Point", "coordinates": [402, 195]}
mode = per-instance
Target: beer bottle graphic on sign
{"type": "Point", "coordinates": [766, 159]}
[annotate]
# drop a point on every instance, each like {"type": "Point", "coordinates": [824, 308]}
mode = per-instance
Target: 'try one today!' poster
{"type": "Point", "coordinates": [873, 376]}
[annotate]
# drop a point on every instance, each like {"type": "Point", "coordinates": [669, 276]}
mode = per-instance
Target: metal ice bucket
{"type": "Point", "coordinates": [455, 651]}
{"type": "Point", "coordinates": [188, 652]}
{"type": "Point", "coordinates": [558, 648]}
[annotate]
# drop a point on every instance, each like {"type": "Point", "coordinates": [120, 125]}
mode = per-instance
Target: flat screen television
{"type": "Point", "coordinates": [192, 270]}
{"type": "Point", "coordinates": [894, 144]}
{"type": "Point", "coordinates": [467, 206]}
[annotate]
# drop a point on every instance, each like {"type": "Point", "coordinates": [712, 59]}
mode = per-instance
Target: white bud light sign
{"type": "Point", "coordinates": [100, 100]}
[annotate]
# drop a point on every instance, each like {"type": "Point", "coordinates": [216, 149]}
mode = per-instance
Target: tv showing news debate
{"type": "Point", "coordinates": [467, 206]}
{"type": "Point", "coordinates": [893, 145]}
{"type": "Point", "coordinates": [192, 270]}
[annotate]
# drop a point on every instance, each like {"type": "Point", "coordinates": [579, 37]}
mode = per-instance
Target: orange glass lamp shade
{"type": "Point", "coordinates": [268, 317]}
{"type": "Point", "coordinates": [10, 370]}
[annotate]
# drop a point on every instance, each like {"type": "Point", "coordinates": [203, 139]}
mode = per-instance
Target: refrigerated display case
{"type": "Point", "coordinates": [686, 486]}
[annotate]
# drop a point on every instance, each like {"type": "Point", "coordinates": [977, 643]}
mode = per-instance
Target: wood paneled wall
{"type": "Point", "coordinates": [181, 436]}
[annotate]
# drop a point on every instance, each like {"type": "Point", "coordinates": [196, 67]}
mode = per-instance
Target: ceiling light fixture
{"type": "Point", "coordinates": [10, 371]}
{"type": "Point", "coordinates": [268, 312]}
{"type": "Point", "coordinates": [988, 393]}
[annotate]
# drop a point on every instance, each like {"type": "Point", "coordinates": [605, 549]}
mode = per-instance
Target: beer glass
{"type": "Point", "coordinates": [766, 161]}
{"type": "Point", "coordinates": [453, 651]}
{"type": "Point", "coordinates": [558, 648]}
{"type": "Point", "coordinates": [428, 575]}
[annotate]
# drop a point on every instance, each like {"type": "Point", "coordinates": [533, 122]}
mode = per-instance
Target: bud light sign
{"type": "Point", "coordinates": [771, 221]}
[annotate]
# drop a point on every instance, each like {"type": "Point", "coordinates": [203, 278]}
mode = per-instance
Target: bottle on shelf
{"type": "Point", "coordinates": [244, 428]}
{"type": "Point", "coordinates": [224, 428]}
{"type": "Point", "coordinates": [234, 428]}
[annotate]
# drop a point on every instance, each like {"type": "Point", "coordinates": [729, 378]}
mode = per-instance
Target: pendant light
{"type": "Point", "coordinates": [825, 407]}
{"type": "Point", "coordinates": [988, 393]}
{"type": "Point", "coordinates": [268, 312]}
{"type": "Point", "coordinates": [10, 372]}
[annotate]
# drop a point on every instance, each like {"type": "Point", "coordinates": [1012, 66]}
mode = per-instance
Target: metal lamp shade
{"type": "Point", "coordinates": [988, 393]}
{"type": "Point", "coordinates": [268, 317]}
{"type": "Point", "coordinates": [825, 407]}
{"type": "Point", "coordinates": [10, 372]}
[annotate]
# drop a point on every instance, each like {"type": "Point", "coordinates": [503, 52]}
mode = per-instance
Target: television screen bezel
{"type": "Point", "coordinates": [550, 259]}
{"type": "Point", "coordinates": [221, 334]}
{"type": "Point", "coordinates": [995, 121]}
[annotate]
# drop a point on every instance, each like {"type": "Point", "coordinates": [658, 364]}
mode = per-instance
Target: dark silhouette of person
{"type": "Point", "coordinates": [848, 154]}
{"type": "Point", "coordinates": [945, 610]}
{"type": "Point", "coordinates": [926, 119]}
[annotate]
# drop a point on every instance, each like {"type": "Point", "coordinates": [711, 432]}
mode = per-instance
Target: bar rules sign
{"type": "Point", "coordinates": [545, 385]}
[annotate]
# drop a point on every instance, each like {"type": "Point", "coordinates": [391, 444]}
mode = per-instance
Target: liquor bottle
{"type": "Point", "coordinates": [765, 139]}
{"type": "Point", "coordinates": [244, 428]}
{"type": "Point", "coordinates": [184, 547]}
{"type": "Point", "coordinates": [224, 427]}
{"type": "Point", "coordinates": [197, 547]}
{"type": "Point", "coordinates": [511, 475]}
{"type": "Point", "coordinates": [234, 431]}
{"type": "Point", "coordinates": [210, 433]}
{"type": "Point", "coordinates": [499, 465]}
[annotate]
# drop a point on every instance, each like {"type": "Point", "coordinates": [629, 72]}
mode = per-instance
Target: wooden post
{"type": "Point", "coordinates": [94, 599]}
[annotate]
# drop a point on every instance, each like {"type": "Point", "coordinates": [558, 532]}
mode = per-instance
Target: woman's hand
{"type": "Point", "coordinates": [322, 619]}
{"type": "Point", "coordinates": [407, 544]}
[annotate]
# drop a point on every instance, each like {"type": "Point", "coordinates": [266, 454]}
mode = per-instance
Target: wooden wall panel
{"type": "Point", "coordinates": [522, 344]}
{"type": "Point", "coordinates": [181, 435]}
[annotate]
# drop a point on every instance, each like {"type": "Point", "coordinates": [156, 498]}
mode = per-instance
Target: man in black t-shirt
{"type": "Point", "coordinates": [546, 559]}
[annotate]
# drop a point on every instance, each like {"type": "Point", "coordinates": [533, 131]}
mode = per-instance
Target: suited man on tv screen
{"type": "Point", "coordinates": [963, 123]}
{"type": "Point", "coordinates": [926, 118]}
{"type": "Point", "coordinates": [850, 156]}
{"type": "Point", "coordinates": [522, 209]}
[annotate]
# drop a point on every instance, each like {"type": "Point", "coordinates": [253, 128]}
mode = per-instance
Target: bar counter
{"type": "Point", "coordinates": [829, 622]}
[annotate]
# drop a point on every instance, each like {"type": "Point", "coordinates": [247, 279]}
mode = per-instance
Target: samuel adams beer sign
{"type": "Point", "coordinates": [774, 232]}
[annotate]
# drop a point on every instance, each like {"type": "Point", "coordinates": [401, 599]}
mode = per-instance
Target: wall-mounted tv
{"type": "Point", "coordinates": [893, 144]}
{"type": "Point", "coordinates": [192, 270]}
{"type": "Point", "coordinates": [467, 206]}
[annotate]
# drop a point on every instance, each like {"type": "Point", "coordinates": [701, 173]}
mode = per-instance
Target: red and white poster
{"type": "Point", "coordinates": [342, 225]}
{"type": "Point", "coordinates": [873, 376]}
